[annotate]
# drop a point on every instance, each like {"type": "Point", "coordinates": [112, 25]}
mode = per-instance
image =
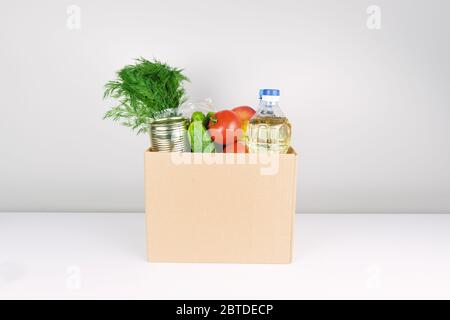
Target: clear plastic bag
{"type": "Point", "coordinates": [188, 108]}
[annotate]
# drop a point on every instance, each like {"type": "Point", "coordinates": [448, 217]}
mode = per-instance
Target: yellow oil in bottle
{"type": "Point", "coordinates": [269, 134]}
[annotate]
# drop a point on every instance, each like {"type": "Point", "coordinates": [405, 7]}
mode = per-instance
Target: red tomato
{"type": "Point", "coordinates": [225, 127]}
{"type": "Point", "coordinates": [244, 112]}
{"type": "Point", "coordinates": [237, 147]}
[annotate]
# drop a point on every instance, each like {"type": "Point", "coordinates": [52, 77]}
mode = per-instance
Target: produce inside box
{"type": "Point", "coordinates": [151, 98]}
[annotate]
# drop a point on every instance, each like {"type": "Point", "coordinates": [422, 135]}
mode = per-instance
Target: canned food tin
{"type": "Point", "coordinates": [169, 134]}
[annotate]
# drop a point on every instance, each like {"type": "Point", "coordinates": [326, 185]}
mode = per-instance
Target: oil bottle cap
{"type": "Point", "coordinates": [270, 92]}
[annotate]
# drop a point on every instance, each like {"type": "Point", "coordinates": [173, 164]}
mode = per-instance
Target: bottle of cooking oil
{"type": "Point", "coordinates": [269, 130]}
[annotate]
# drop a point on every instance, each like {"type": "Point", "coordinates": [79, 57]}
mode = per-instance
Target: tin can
{"type": "Point", "coordinates": [169, 134]}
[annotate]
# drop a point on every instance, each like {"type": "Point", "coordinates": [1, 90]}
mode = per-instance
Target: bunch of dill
{"type": "Point", "coordinates": [143, 91]}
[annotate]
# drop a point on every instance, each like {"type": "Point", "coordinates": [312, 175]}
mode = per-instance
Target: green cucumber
{"type": "Point", "coordinates": [199, 138]}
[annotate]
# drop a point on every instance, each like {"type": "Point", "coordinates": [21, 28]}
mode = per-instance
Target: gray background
{"type": "Point", "coordinates": [370, 108]}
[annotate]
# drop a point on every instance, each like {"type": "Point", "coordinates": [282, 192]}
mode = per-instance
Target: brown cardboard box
{"type": "Point", "coordinates": [229, 208]}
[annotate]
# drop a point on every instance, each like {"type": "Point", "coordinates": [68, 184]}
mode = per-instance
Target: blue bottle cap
{"type": "Point", "coordinates": [269, 92]}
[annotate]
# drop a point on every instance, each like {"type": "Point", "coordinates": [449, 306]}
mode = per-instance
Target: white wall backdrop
{"type": "Point", "coordinates": [370, 107]}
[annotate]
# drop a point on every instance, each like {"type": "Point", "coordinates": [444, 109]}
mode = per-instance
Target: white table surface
{"type": "Point", "coordinates": [102, 256]}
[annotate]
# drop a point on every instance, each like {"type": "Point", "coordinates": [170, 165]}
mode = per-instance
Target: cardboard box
{"type": "Point", "coordinates": [227, 208]}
